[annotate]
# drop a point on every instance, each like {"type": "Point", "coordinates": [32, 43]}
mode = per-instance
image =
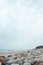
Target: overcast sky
{"type": "Point", "coordinates": [21, 24]}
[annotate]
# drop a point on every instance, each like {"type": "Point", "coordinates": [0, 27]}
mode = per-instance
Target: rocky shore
{"type": "Point", "coordinates": [31, 57]}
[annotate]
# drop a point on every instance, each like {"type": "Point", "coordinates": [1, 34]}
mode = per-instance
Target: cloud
{"type": "Point", "coordinates": [21, 23]}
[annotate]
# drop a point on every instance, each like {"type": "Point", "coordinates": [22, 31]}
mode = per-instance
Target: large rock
{"type": "Point", "coordinates": [2, 60]}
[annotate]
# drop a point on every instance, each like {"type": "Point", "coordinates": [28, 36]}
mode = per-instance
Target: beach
{"type": "Point", "coordinates": [22, 57]}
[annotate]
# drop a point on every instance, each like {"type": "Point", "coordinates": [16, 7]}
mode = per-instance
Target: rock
{"type": "Point", "coordinates": [35, 63]}
{"type": "Point", "coordinates": [35, 52]}
{"type": "Point", "coordinates": [11, 61]}
{"type": "Point", "coordinates": [7, 63]}
{"type": "Point", "coordinates": [0, 63]}
{"type": "Point", "coordinates": [14, 64]}
{"type": "Point", "coordinates": [2, 60]}
{"type": "Point", "coordinates": [41, 63]}
{"type": "Point", "coordinates": [29, 61]}
{"type": "Point", "coordinates": [26, 63]}
{"type": "Point", "coordinates": [9, 55]}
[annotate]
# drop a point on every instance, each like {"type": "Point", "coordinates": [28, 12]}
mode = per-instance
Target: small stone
{"type": "Point", "coordinates": [14, 64]}
{"type": "Point", "coordinates": [26, 63]}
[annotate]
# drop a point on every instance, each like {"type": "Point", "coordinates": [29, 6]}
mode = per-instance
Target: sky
{"type": "Point", "coordinates": [21, 24]}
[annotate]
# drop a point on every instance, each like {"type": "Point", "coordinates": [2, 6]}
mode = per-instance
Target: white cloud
{"type": "Point", "coordinates": [21, 21]}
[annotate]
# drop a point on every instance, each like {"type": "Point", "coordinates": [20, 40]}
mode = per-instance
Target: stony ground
{"type": "Point", "coordinates": [31, 57]}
